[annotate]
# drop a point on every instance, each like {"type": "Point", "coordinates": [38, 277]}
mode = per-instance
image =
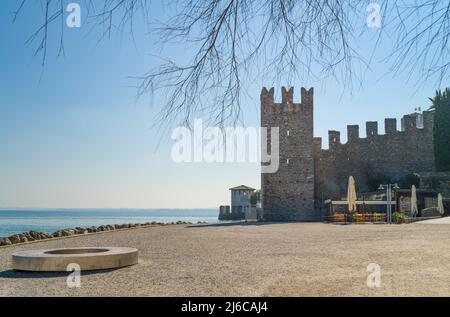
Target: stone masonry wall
{"type": "Point", "coordinates": [394, 154]}
{"type": "Point", "coordinates": [308, 174]}
{"type": "Point", "coordinates": [288, 194]}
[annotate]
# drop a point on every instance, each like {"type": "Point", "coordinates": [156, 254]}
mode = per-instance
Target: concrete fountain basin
{"type": "Point", "coordinates": [57, 260]}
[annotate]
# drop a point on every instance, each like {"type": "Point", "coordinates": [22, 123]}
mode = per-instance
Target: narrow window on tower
{"type": "Point", "coordinates": [288, 133]}
{"type": "Point", "coordinates": [287, 161]}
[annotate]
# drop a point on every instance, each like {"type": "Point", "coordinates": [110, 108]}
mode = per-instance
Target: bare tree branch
{"type": "Point", "coordinates": [236, 42]}
{"type": "Point", "coordinates": [422, 32]}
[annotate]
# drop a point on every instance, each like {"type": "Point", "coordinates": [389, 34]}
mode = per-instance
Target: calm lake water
{"type": "Point", "coordinates": [17, 221]}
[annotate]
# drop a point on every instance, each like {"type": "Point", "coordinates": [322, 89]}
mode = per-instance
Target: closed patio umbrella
{"type": "Point", "coordinates": [440, 204]}
{"type": "Point", "coordinates": [351, 194]}
{"type": "Point", "coordinates": [414, 208]}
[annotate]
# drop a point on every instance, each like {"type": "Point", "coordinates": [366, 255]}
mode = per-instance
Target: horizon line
{"type": "Point", "coordinates": [101, 208]}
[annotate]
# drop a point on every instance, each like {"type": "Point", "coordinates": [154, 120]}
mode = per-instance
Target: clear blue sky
{"type": "Point", "coordinates": [72, 134]}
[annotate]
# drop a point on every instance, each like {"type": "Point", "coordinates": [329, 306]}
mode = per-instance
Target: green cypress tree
{"type": "Point", "coordinates": [441, 132]}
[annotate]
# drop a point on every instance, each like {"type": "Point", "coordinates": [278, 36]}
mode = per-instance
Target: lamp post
{"type": "Point", "coordinates": [389, 188]}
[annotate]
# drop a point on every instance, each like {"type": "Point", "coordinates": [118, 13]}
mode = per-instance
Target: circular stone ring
{"type": "Point", "coordinates": [57, 260]}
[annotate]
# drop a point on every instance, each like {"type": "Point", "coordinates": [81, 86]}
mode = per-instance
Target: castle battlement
{"type": "Point", "coordinates": [308, 174]}
{"type": "Point", "coordinates": [411, 125]}
{"type": "Point", "coordinates": [287, 103]}
{"type": "Point", "coordinates": [288, 194]}
{"type": "Point", "coordinates": [394, 154]}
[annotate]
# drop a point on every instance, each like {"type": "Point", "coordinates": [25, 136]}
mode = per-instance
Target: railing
{"type": "Point", "coordinates": [356, 217]}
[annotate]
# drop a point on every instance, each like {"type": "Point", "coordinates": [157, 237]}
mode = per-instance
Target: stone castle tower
{"type": "Point", "coordinates": [308, 174]}
{"type": "Point", "coordinates": [288, 194]}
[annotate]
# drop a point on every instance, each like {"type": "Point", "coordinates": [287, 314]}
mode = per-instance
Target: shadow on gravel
{"type": "Point", "coordinates": [13, 274]}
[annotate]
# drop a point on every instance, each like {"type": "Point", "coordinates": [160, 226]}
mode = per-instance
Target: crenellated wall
{"type": "Point", "coordinates": [393, 154]}
{"type": "Point", "coordinates": [288, 194]}
{"type": "Point", "coordinates": [309, 174]}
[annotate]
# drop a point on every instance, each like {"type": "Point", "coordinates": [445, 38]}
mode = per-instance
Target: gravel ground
{"type": "Point", "coordinates": [295, 259]}
{"type": "Point", "coordinates": [437, 221]}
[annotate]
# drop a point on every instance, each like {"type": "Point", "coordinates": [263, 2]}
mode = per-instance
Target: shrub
{"type": "Point", "coordinates": [409, 180]}
{"type": "Point", "coordinates": [374, 180]}
{"type": "Point", "coordinates": [441, 133]}
{"type": "Point", "coordinates": [398, 217]}
{"type": "Point", "coordinates": [255, 198]}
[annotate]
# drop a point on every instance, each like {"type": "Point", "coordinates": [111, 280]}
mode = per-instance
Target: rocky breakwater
{"type": "Point", "coordinates": [36, 236]}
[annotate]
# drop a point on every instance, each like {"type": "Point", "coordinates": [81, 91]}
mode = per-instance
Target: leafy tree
{"type": "Point", "coordinates": [407, 181]}
{"type": "Point", "coordinates": [441, 132]}
{"type": "Point", "coordinates": [374, 181]}
{"type": "Point", "coordinates": [256, 196]}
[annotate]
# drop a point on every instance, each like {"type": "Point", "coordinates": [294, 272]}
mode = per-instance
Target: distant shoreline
{"type": "Point", "coordinates": [35, 236]}
{"type": "Point", "coordinates": [99, 209]}
{"type": "Point", "coordinates": [49, 221]}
